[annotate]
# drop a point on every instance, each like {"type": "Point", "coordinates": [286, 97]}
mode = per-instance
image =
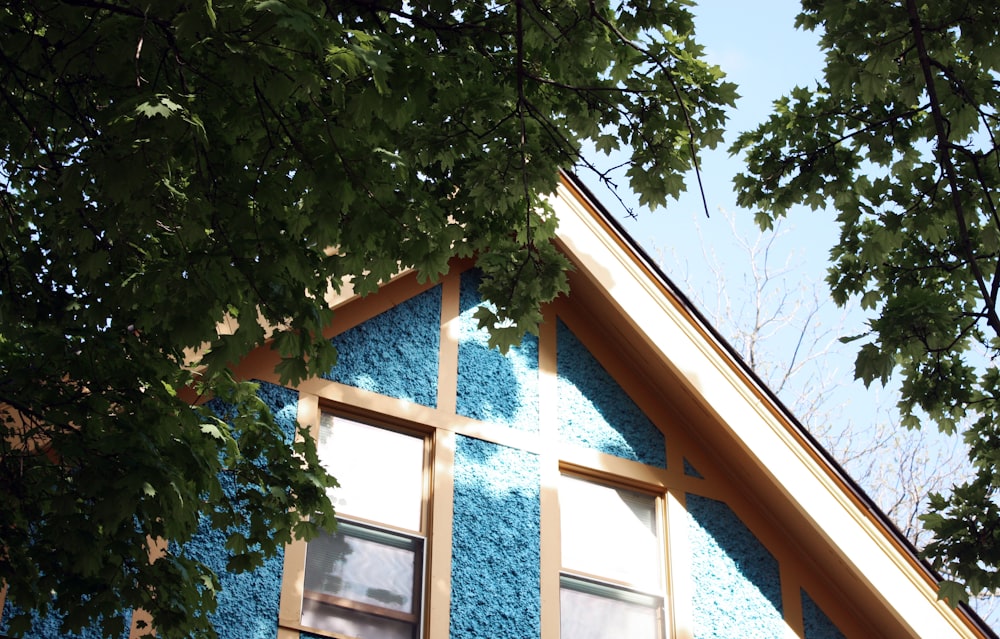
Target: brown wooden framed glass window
{"type": "Point", "coordinates": [613, 567]}
{"type": "Point", "coordinates": [365, 579]}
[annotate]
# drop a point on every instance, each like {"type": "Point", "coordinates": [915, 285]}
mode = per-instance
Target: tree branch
{"type": "Point", "coordinates": [944, 157]}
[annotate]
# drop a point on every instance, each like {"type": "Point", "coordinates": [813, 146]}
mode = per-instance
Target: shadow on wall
{"type": "Point", "coordinates": [596, 413]}
{"type": "Point", "coordinates": [248, 601]}
{"type": "Point", "coordinates": [496, 547]}
{"type": "Point", "coordinates": [492, 387]}
{"type": "Point", "coordinates": [737, 580]}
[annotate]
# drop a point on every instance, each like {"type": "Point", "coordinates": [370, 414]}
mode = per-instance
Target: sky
{"type": "Point", "coordinates": [758, 47]}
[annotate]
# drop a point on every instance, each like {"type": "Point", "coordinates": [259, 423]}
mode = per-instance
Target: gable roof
{"type": "Point", "coordinates": [649, 319]}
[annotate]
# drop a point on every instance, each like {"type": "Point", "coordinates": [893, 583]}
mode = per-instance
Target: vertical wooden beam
{"type": "Point", "coordinates": [551, 555]}
{"type": "Point", "coordinates": [791, 596]}
{"type": "Point", "coordinates": [680, 582]}
{"type": "Point", "coordinates": [438, 603]}
{"type": "Point", "coordinates": [157, 548]}
{"type": "Point", "coordinates": [448, 356]}
{"type": "Point", "coordinates": [294, 569]}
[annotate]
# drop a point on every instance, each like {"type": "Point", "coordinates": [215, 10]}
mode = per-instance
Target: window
{"type": "Point", "coordinates": [366, 579]}
{"type": "Point", "coordinates": [612, 558]}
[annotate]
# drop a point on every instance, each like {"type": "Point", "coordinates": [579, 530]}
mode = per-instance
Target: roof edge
{"type": "Point", "coordinates": [833, 468]}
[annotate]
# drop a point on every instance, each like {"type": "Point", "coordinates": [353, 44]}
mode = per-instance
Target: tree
{"type": "Point", "coordinates": [901, 141]}
{"type": "Point", "coordinates": [168, 166]}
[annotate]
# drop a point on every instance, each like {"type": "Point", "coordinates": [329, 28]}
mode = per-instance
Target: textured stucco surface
{"type": "Point", "coordinates": [394, 353]}
{"type": "Point", "coordinates": [817, 624]}
{"type": "Point", "coordinates": [595, 412]}
{"type": "Point", "coordinates": [493, 387]}
{"type": "Point", "coordinates": [47, 627]}
{"type": "Point", "coordinates": [737, 581]}
{"type": "Point", "coordinates": [691, 471]}
{"type": "Point", "coordinates": [495, 545]}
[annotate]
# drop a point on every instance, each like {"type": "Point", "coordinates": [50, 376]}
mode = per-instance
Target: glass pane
{"type": "Point", "coordinates": [585, 615]}
{"type": "Point", "coordinates": [609, 532]}
{"type": "Point", "coordinates": [380, 471]}
{"type": "Point", "coordinates": [356, 624]}
{"type": "Point", "coordinates": [366, 566]}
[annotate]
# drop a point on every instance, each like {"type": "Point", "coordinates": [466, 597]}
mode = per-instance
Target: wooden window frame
{"type": "Point", "coordinates": [294, 593]}
{"type": "Point", "coordinates": [570, 579]}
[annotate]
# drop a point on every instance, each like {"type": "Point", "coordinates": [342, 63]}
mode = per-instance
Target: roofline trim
{"type": "Point", "coordinates": [775, 406]}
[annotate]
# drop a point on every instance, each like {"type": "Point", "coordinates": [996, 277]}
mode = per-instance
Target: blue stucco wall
{"type": "Point", "coordinates": [595, 412]}
{"type": "Point", "coordinates": [496, 548]}
{"type": "Point", "coordinates": [394, 353]}
{"type": "Point", "coordinates": [737, 581]}
{"type": "Point", "coordinates": [47, 627]}
{"type": "Point", "coordinates": [817, 624]}
{"type": "Point", "coordinates": [493, 387]}
{"type": "Point", "coordinates": [248, 602]}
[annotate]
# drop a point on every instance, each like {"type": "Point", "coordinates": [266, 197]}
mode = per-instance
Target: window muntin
{"type": "Point", "coordinates": [366, 579]}
{"type": "Point", "coordinates": [612, 557]}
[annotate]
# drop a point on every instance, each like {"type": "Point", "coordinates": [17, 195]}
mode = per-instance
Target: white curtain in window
{"type": "Point", "coordinates": [610, 533]}
{"type": "Point", "coordinates": [380, 471]}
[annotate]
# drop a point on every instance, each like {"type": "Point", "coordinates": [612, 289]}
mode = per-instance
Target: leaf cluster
{"type": "Point", "coordinates": [167, 167]}
{"type": "Point", "coordinates": [900, 140]}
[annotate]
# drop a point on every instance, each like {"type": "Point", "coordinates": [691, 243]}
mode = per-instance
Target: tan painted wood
{"type": "Point", "coordinates": [448, 356]}
{"type": "Point", "coordinates": [551, 559]}
{"type": "Point", "coordinates": [438, 603]}
{"type": "Point", "coordinates": [293, 573]}
{"type": "Point", "coordinates": [791, 599]}
{"type": "Point", "coordinates": [680, 584]}
{"type": "Point", "coordinates": [156, 549]}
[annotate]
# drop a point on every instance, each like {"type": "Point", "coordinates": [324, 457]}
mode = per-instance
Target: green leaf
{"type": "Point", "coordinates": [952, 592]}
{"type": "Point", "coordinates": [172, 172]}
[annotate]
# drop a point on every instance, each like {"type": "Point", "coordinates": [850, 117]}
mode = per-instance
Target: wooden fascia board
{"type": "Point", "coordinates": [721, 385]}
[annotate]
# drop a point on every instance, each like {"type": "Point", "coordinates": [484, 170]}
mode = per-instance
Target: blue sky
{"type": "Point", "coordinates": [758, 47]}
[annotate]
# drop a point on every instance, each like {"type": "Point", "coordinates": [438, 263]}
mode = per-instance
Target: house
{"type": "Point", "coordinates": [621, 475]}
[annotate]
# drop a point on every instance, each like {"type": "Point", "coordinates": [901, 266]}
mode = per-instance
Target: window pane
{"type": "Point", "coordinates": [356, 624]}
{"type": "Point", "coordinates": [366, 566]}
{"type": "Point", "coordinates": [609, 532]}
{"type": "Point", "coordinates": [586, 615]}
{"type": "Point", "coordinates": [380, 471]}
